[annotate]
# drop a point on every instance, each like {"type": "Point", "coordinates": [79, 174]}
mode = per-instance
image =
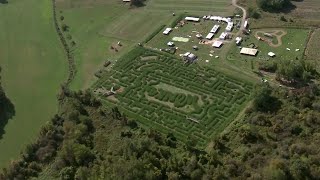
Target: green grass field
{"type": "Point", "coordinates": [33, 67]}
{"type": "Point", "coordinates": [112, 21]}
{"type": "Point", "coordinates": [294, 39]}
{"type": "Point", "coordinates": [163, 93]}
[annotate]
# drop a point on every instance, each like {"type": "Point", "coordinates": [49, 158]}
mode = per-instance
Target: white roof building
{"type": "Point", "coordinates": [210, 36]}
{"type": "Point", "coordinates": [245, 25]}
{"type": "Point", "coordinates": [167, 31]}
{"type": "Point", "coordinates": [238, 40]}
{"type": "Point", "coordinates": [249, 51]}
{"type": "Point", "coordinates": [223, 36]}
{"type": "Point", "coordinates": [215, 29]}
{"type": "Point", "coordinates": [195, 19]}
{"type": "Point", "coordinates": [189, 56]}
{"type": "Point", "coordinates": [271, 54]}
{"type": "Point", "coordinates": [217, 44]}
{"type": "Point", "coordinates": [229, 26]}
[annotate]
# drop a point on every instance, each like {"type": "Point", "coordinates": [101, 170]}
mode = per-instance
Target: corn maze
{"type": "Point", "coordinates": [162, 92]}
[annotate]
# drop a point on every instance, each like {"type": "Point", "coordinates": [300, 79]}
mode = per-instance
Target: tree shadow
{"type": "Point", "coordinates": [7, 111]}
{"type": "Point", "coordinates": [3, 2]}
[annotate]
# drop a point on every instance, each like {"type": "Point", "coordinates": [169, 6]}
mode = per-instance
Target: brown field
{"type": "Point", "coordinates": [312, 51]}
{"type": "Point", "coordinates": [306, 13]}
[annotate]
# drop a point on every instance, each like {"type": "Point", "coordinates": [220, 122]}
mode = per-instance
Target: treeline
{"type": "Point", "coordinates": [277, 139]}
{"type": "Point", "coordinates": [274, 5]}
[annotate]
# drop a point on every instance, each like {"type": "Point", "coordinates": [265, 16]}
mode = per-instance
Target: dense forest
{"type": "Point", "coordinates": [277, 139]}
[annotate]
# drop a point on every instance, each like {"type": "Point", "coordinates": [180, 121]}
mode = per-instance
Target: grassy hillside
{"type": "Point", "coordinates": [33, 65]}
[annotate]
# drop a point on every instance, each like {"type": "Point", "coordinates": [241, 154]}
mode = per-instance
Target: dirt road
{"type": "Point", "coordinates": [244, 16]}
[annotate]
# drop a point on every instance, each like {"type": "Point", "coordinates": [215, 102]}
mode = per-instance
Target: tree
{"type": "Point", "coordinates": [263, 100]}
{"type": "Point", "coordinates": [67, 173]}
{"type": "Point", "coordinates": [64, 27]}
{"type": "Point", "coordinates": [272, 5]}
{"type": "Point", "coordinates": [137, 3]}
{"type": "Point", "coordinates": [253, 13]}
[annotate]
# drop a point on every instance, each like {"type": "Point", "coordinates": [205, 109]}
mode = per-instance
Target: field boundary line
{"type": "Point", "coordinates": [70, 57]}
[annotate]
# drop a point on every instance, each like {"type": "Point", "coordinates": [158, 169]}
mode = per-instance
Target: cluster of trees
{"type": "Point", "coordinates": [272, 5]}
{"type": "Point", "coordinates": [7, 110]}
{"type": "Point", "coordinates": [292, 71]}
{"type": "Point", "coordinates": [88, 141]}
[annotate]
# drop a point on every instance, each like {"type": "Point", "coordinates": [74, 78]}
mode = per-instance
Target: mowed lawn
{"type": "Point", "coordinates": [33, 67]}
{"type": "Point", "coordinates": [294, 39]}
{"type": "Point", "coordinates": [96, 25]}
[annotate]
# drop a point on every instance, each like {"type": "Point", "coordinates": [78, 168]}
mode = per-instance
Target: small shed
{"type": "Point", "coordinates": [167, 31]}
{"type": "Point", "coordinates": [170, 43]}
{"type": "Point", "coordinates": [271, 54]}
{"type": "Point", "coordinates": [249, 51]}
{"type": "Point", "coordinates": [199, 36]}
{"type": "Point", "coordinates": [238, 40]}
{"type": "Point", "coordinates": [190, 57]}
{"type": "Point", "coordinates": [126, 0]}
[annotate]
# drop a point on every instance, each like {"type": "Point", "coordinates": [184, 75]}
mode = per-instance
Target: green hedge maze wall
{"type": "Point", "coordinates": [161, 92]}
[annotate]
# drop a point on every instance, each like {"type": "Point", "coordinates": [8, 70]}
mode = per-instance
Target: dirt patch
{"type": "Point", "coordinates": [269, 35]}
{"type": "Point", "coordinates": [147, 58]}
{"type": "Point", "coordinates": [115, 47]}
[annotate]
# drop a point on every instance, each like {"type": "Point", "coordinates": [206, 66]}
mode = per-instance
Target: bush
{"type": "Point", "coordinates": [282, 18]}
{"type": "Point", "coordinates": [272, 5]}
{"type": "Point", "coordinates": [64, 27]}
{"type": "Point", "coordinates": [253, 13]}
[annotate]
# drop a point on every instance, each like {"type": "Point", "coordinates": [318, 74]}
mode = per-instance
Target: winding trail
{"type": "Point", "coordinates": [244, 16]}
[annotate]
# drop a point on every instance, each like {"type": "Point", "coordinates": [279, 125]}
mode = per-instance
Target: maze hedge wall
{"type": "Point", "coordinates": [195, 101]}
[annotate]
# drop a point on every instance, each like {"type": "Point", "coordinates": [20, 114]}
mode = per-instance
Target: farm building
{"type": "Point", "coordinates": [126, 0]}
{"type": "Point", "coordinates": [229, 27]}
{"type": "Point", "coordinates": [249, 51]}
{"type": "Point", "coordinates": [223, 36]}
{"type": "Point", "coordinates": [189, 56]}
{"type": "Point", "coordinates": [238, 40]}
{"type": "Point", "coordinates": [217, 44]}
{"type": "Point", "coordinates": [194, 19]}
{"type": "Point", "coordinates": [209, 36]}
{"type": "Point", "coordinates": [199, 36]}
{"type": "Point", "coordinates": [215, 29]}
{"type": "Point", "coordinates": [167, 31]}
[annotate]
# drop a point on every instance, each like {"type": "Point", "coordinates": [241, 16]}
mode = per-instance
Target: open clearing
{"type": "Point", "coordinates": [207, 102]}
{"type": "Point", "coordinates": [275, 41]}
{"type": "Point", "coordinates": [295, 40]}
{"type": "Point", "coordinates": [33, 67]}
{"type": "Point", "coordinates": [112, 21]}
